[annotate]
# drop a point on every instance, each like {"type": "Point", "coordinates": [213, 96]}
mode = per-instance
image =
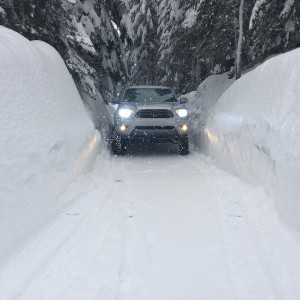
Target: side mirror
{"type": "Point", "coordinates": [115, 100]}
{"type": "Point", "coordinates": [183, 100]}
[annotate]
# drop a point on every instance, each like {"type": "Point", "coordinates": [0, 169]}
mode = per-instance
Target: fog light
{"type": "Point", "coordinates": [123, 127]}
{"type": "Point", "coordinates": [184, 127]}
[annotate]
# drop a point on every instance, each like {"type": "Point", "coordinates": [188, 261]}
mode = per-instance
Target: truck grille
{"type": "Point", "coordinates": [154, 114]}
{"type": "Point", "coordinates": [154, 127]}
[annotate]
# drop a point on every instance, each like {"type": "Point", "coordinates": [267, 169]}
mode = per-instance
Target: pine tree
{"type": "Point", "coordinates": [170, 12]}
{"type": "Point", "coordinates": [105, 55]}
{"type": "Point", "coordinates": [274, 28]}
{"type": "Point", "coordinates": [107, 44]}
{"type": "Point", "coordinates": [144, 50]}
{"type": "Point", "coordinates": [3, 14]}
{"type": "Point", "coordinates": [204, 43]}
{"type": "Point", "coordinates": [82, 31]}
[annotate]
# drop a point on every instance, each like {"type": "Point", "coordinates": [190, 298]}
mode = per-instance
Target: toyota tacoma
{"type": "Point", "coordinates": [149, 113]}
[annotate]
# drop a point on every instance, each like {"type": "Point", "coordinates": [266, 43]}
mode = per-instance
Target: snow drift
{"type": "Point", "coordinates": [254, 131]}
{"type": "Point", "coordinates": [202, 101]}
{"type": "Point", "coordinates": [46, 136]}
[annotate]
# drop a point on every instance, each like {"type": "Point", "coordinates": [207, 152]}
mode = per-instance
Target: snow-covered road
{"type": "Point", "coordinates": [154, 225]}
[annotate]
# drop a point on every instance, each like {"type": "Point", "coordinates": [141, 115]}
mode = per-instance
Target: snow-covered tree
{"type": "Point", "coordinates": [274, 27]}
{"type": "Point", "coordinates": [107, 44]}
{"type": "Point", "coordinates": [87, 33]}
{"type": "Point", "coordinates": [102, 46]}
{"type": "Point", "coordinates": [143, 53]}
{"type": "Point", "coordinates": [170, 12]}
{"type": "Point", "coordinates": [203, 43]}
{"type": "Point", "coordinates": [3, 15]}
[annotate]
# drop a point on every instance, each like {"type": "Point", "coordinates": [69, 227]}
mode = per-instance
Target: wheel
{"type": "Point", "coordinates": [183, 146]}
{"type": "Point", "coordinates": [117, 143]}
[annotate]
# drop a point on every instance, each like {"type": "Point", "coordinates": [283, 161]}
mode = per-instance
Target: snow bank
{"type": "Point", "coordinates": [46, 136]}
{"type": "Point", "coordinates": [202, 101]}
{"type": "Point", "coordinates": [254, 131]}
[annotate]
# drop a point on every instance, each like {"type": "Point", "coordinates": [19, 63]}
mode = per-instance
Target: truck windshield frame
{"type": "Point", "coordinates": [150, 95]}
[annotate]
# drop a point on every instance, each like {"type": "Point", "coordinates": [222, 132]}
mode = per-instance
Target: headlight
{"type": "Point", "coordinates": [181, 112]}
{"type": "Point", "coordinates": [125, 112]}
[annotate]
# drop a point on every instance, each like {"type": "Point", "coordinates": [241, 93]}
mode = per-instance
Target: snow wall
{"type": "Point", "coordinates": [46, 139]}
{"type": "Point", "coordinates": [202, 102]}
{"type": "Point", "coordinates": [254, 131]}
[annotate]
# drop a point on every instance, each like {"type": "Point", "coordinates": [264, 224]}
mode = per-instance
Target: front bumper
{"type": "Point", "coordinates": [156, 129]}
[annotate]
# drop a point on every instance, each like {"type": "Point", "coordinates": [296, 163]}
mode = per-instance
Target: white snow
{"type": "Point", "coordinates": [190, 18]}
{"type": "Point", "coordinates": [46, 138]}
{"type": "Point", "coordinates": [87, 24]}
{"type": "Point", "coordinates": [152, 224]}
{"type": "Point", "coordinates": [202, 101]}
{"type": "Point", "coordinates": [127, 23]}
{"type": "Point", "coordinates": [256, 8]}
{"type": "Point", "coordinates": [287, 7]}
{"type": "Point", "coordinates": [81, 37]}
{"type": "Point", "coordinates": [254, 131]}
{"type": "Point", "coordinates": [2, 11]}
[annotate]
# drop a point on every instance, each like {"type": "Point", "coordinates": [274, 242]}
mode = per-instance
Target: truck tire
{"type": "Point", "coordinates": [118, 143]}
{"type": "Point", "coordinates": [183, 146]}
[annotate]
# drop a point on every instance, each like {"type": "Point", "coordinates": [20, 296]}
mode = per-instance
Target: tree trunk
{"type": "Point", "coordinates": [239, 50]}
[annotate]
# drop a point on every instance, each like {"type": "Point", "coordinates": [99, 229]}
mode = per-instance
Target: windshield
{"type": "Point", "coordinates": [149, 95]}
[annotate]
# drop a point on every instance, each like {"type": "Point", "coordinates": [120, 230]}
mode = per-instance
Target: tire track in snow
{"type": "Point", "coordinates": [137, 247]}
{"type": "Point", "coordinates": [28, 274]}
{"type": "Point", "coordinates": [250, 276]}
{"type": "Point", "coordinates": [277, 244]}
{"type": "Point", "coordinates": [88, 237]}
{"type": "Point", "coordinates": [121, 240]}
{"type": "Point", "coordinates": [169, 222]}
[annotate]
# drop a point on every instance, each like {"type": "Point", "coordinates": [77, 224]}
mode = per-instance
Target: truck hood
{"type": "Point", "coordinates": [153, 105]}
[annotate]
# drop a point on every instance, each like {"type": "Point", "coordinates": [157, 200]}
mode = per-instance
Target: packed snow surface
{"type": "Point", "coordinates": [46, 136]}
{"type": "Point", "coordinates": [254, 131]}
{"type": "Point", "coordinates": [155, 225]}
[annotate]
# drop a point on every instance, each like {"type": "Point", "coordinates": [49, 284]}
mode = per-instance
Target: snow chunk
{"type": "Point", "coordinates": [255, 10]}
{"type": "Point", "coordinates": [82, 37]}
{"type": "Point", "coordinates": [127, 23]}
{"type": "Point", "coordinates": [287, 7]}
{"type": "Point", "coordinates": [254, 130]}
{"type": "Point", "coordinates": [190, 18]}
{"type": "Point", "coordinates": [87, 24]}
{"type": "Point", "coordinates": [46, 136]}
{"type": "Point", "coordinates": [2, 11]}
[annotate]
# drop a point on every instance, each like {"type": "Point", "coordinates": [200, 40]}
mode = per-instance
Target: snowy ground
{"type": "Point", "coordinates": [151, 225]}
{"type": "Point", "coordinates": [154, 225]}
